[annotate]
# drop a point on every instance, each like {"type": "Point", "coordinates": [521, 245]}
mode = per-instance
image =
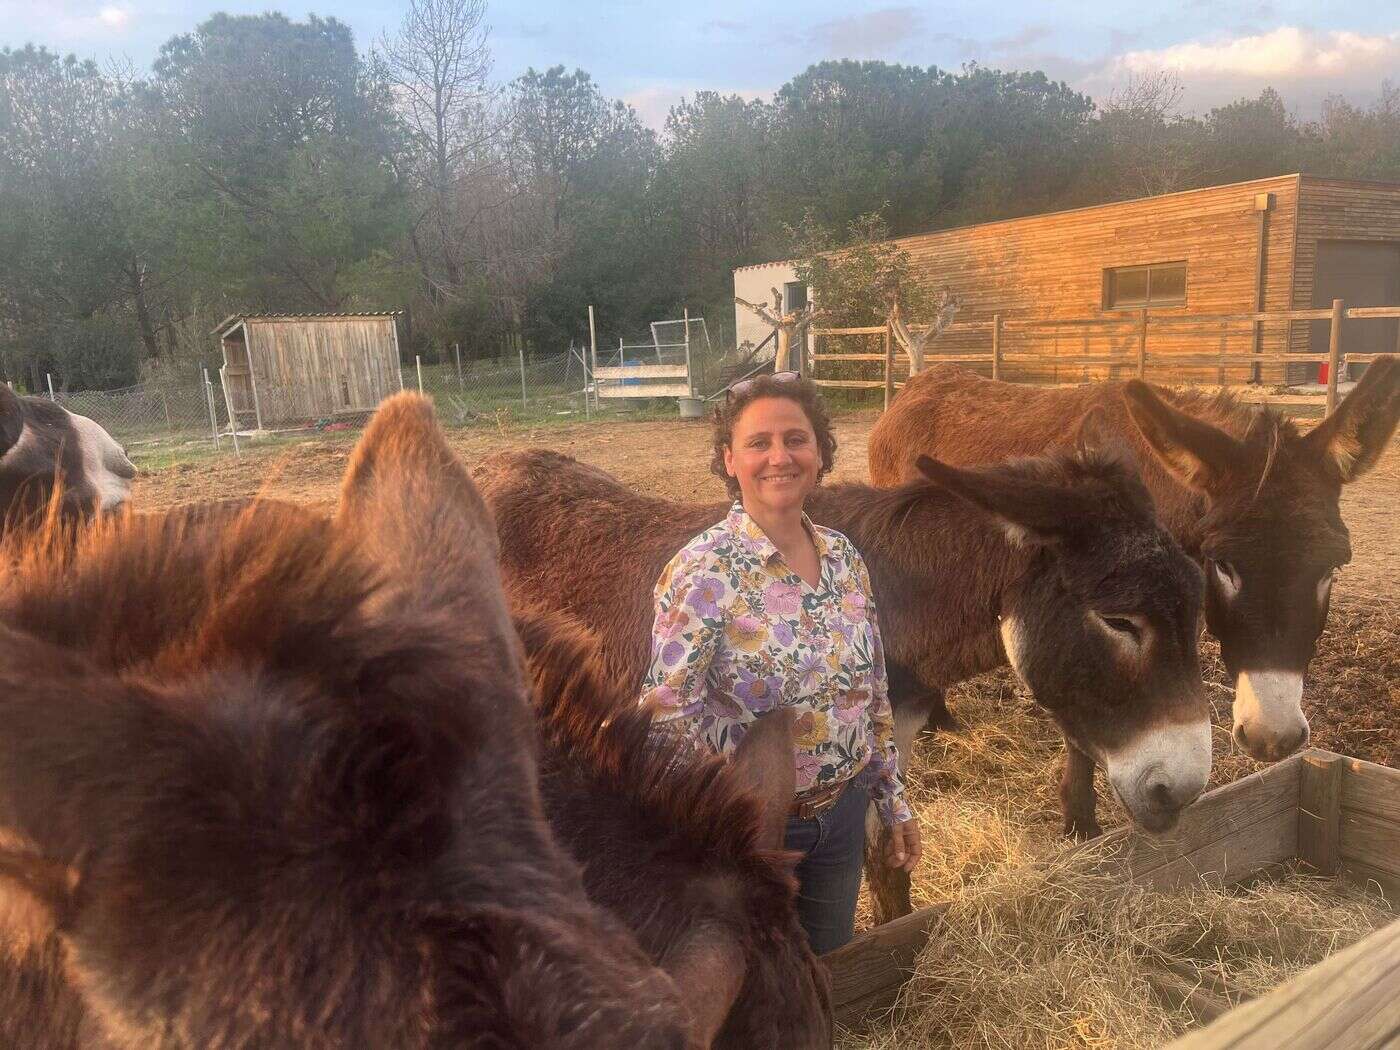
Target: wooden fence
{"type": "Point", "coordinates": [1170, 367]}
{"type": "Point", "coordinates": [1339, 815]}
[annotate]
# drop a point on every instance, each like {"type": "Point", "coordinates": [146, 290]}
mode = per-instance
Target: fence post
{"type": "Point", "coordinates": [165, 404]}
{"type": "Point", "coordinates": [889, 364]}
{"type": "Point", "coordinates": [689, 382]}
{"type": "Point", "coordinates": [457, 349]}
{"type": "Point", "coordinates": [520, 349]}
{"type": "Point", "coordinates": [1334, 355]}
{"type": "Point", "coordinates": [418, 364]}
{"type": "Point", "coordinates": [209, 402]}
{"type": "Point", "coordinates": [49, 377]}
{"type": "Point", "coordinates": [996, 346]}
{"type": "Point", "coordinates": [228, 406]}
{"type": "Point", "coordinates": [1142, 344]}
{"type": "Point", "coordinates": [590, 377]}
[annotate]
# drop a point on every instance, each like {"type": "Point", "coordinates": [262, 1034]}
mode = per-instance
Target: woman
{"type": "Point", "coordinates": [767, 610]}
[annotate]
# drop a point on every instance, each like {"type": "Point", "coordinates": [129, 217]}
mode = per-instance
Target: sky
{"type": "Point", "coordinates": [652, 54]}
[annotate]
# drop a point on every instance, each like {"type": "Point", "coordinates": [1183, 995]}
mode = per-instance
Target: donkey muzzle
{"type": "Point", "coordinates": [1269, 720]}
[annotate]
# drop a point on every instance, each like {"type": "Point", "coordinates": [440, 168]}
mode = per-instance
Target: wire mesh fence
{"type": "Point", "coordinates": [165, 411]}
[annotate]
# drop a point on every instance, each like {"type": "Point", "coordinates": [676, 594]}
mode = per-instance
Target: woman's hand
{"type": "Point", "coordinates": [903, 847]}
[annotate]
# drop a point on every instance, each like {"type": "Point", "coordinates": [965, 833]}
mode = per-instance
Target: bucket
{"type": "Point", "coordinates": [692, 408]}
{"type": "Point", "coordinates": [1322, 372]}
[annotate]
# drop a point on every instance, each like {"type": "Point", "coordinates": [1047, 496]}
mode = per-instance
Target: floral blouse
{"type": "Point", "coordinates": [738, 633]}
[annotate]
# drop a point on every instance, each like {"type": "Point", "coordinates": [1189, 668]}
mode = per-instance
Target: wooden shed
{"type": "Point", "coordinates": [1293, 242]}
{"type": "Point", "coordinates": [282, 370]}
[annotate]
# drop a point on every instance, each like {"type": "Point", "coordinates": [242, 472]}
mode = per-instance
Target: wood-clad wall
{"type": "Point", "coordinates": [310, 369]}
{"type": "Point", "coordinates": [1052, 266]}
{"type": "Point", "coordinates": [1337, 210]}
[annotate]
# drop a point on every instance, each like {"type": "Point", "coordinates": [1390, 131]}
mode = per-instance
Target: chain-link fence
{"type": "Point", "coordinates": [150, 412]}
{"type": "Point", "coordinates": [466, 392]}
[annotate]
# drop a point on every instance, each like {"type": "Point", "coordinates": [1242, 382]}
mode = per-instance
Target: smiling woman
{"type": "Point", "coordinates": [766, 611]}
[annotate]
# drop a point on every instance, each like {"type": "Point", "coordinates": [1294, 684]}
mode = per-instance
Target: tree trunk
{"type": "Point", "coordinates": [137, 280]}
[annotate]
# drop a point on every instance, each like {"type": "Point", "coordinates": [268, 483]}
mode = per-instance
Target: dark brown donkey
{"type": "Point", "coordinates": [268, 780]}
{"type": "Point", "coordinates": [685, 848]}
{"type": "Point", "coordinates": [1059, 558]}
{"type": "Point", "coordinates": [1241, 489]}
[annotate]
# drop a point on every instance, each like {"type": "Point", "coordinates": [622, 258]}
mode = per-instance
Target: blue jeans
{"type": "Point", "coordinates": [832, 845]}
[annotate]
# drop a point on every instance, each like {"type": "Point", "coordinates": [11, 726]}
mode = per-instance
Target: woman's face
{"type": "Point", "coordinates": [773, 454]}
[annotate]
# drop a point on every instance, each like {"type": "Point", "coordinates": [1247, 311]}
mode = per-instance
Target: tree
{"type": "Point", "coordinates": [856, 280]}
{"type": "Point", "coordinates": [279, 138]}
{"type": "Point", "coordinates": [62, 242]}
{"type": "Point", "coordinates": [437, 69]}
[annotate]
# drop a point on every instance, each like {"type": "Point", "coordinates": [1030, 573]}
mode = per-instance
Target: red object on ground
{"type": "Point", "coordinates": [1322, 372]}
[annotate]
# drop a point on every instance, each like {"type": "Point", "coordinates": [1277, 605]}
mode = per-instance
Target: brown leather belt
{"type": "Point", "coordinates": [807, 806]}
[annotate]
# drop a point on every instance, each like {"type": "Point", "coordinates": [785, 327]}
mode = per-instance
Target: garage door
{"type": "Point", "coordinates": [1360, 273]}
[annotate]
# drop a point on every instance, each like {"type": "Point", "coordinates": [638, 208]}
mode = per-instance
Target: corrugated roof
{"type": "Point", "coordinates": [233, 320]}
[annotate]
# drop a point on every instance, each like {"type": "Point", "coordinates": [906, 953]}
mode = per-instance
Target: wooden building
{"type": "Point", "coordinates": [282, 370]}
{"type": "Point", "coordinates": [1292, 242]}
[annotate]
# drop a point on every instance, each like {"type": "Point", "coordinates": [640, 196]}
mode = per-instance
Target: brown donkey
{"type": "Point", "coordinates": [269, 780]}
{"type": "Point", "coordinates": [684, 848]}
{"type": "Point", "coordinates": [1241, 489]}
{"type": "Point", "coordinates": [1057, 561]}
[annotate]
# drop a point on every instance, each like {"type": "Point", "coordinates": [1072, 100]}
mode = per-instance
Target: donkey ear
{"type": "Point", "coordinates": [1353, 437]}
{"type": "Point", "coordinates": [1097, 436]}
{"type": "Point", "coordinates": [409, 501]}
{"type": "Point", "coordinates": [1030, 513]}
{"type": "Point", "coordinates": [1198, 454]}
{"type": "Point", "coordinates": [711, 962]}
{"type": "Point", "coordinates": [764, 760]}
{"type": "Point", "coordinates": [11, 418]}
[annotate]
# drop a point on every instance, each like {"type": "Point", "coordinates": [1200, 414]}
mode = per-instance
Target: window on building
{"type": "Point", "coordinates": [1133, 287]}
{"type": "Point", "coordinates": [794, 296]}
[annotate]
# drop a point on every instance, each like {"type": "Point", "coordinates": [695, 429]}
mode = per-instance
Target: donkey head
{"type": "Point", "coordinates": [41, 443]}
{"type": "Point", "coordinates": [1272, 538]}
{"type": "Point", "coordinates": [1102, 625]}
{"type": "Point", "coordinates": [272, 777]}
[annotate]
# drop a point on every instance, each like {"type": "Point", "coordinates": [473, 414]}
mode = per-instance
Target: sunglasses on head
{"type": "Point", "coordinates": [742, 387]}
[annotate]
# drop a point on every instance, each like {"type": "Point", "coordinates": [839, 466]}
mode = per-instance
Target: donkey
{"type": "Point", "coordinates": [1055, 563]}
{"type": "Point", "coordinates": [41, 442]}
{"type": "Point", "coordinates": [1249, 496]}
{"type": "Point", "coordinates": [268, 779]}
{"type": "Point", "coordinates": [685, 848]}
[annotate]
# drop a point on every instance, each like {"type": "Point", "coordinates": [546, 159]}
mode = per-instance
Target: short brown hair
{"type": "Point", "coordinates": [802, 392]}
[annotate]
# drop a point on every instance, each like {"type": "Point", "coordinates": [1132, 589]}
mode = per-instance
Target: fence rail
{"type": "Point", "coordinates": [1139, 359]}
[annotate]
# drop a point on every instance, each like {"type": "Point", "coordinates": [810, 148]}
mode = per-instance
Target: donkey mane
{"type": "Point", "coordinates": [596, 724]}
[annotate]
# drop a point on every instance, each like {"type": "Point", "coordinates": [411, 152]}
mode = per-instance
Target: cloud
{"type": "Point", "coordinates": [877, 34]}
{"type": "Point", "coordinates": [653, 102]}
{"type": "Point", "coordinates": [115, 17]}
{"type": "Point", "coordinates": [1304, 65]}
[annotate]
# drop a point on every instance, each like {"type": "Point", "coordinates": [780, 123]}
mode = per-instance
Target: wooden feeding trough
{"type": "Point", "coordinates": [1338, 815]}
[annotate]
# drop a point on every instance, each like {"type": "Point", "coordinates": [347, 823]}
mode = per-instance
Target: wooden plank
{"type": "Point", "coordinates": [1371, 840]}
{"type": "Point", "coordinates": [1256, 846]}
{"type": "Point", "coordinates": [641, 372]}
{"type": "Point", "coordinates": [1373, 311]}
{"type": "Point", "coordinates": [854, 384]}
{"type": "Point", "coordinates": [848, 331]}
{"type": "Point", "coordinates": [1351, 1000]}
{"type": "Point", "coordinates": [1320, 811]}
{"type": "Point", "coordinates": [1373, 880]}
{"type": "Point", "coordinates": [867, 974]}
{"type": "Point", "coordinates": [1214, 818]}
{"type": "Point", "coordinates": [848, 357]}
{"type": "Point", "coordinates": [1371, 788]}
{"type": "Point", "coordinates": [643, 390]}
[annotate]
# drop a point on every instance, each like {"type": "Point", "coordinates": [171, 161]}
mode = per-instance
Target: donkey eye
{"type": "Point", "coordinates": [1124, 626]}
{"type": "Point", "coordinates": [1227, 575]}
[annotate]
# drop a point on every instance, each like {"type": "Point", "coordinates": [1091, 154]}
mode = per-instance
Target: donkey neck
{"type": "Point", "coordinates": [941, 571]}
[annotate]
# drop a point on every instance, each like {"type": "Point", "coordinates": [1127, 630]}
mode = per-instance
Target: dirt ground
{"type": "Point", "coordinates": [1353, 695]}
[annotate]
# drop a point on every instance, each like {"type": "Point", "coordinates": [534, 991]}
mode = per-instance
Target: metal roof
{"type": "Point", "coordinates": [234, 320]}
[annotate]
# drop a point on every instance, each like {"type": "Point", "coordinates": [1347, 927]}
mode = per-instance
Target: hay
{"type": "Point", "coordinates": [1052, 950]}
